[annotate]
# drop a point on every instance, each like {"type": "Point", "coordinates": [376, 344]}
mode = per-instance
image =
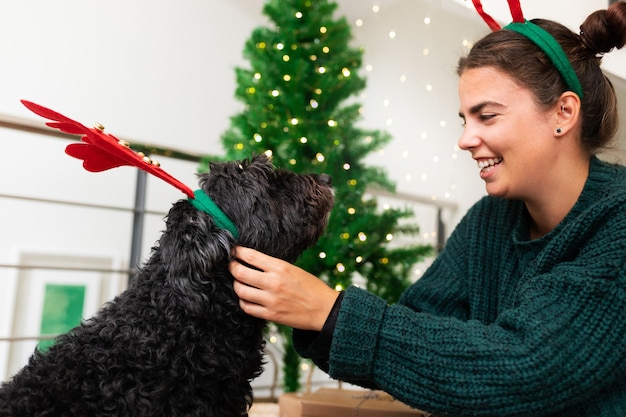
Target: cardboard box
{"type": "Point", "coordinates": [290, 405]}
{"type": "Point", "coordinates": [329, 402]}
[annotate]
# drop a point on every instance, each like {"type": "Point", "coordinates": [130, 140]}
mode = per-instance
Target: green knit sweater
{"type": "Point", "coordinates": [501, 325]}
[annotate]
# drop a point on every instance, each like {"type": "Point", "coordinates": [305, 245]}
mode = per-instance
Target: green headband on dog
{"type": "Point", "coordinates": [203, 202]}
{"type": "Point", "coordinates": [539, 37]}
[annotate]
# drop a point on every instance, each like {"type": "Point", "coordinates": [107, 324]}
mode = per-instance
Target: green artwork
{"type": "Point", "coordinates": [62, 310]}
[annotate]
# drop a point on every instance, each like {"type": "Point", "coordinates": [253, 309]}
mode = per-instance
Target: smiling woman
{"type": "Point", "coordinates": [522, 313]}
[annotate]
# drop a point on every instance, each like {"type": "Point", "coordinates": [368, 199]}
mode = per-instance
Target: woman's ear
{"type": "Point", "coordinates": [567, 113]}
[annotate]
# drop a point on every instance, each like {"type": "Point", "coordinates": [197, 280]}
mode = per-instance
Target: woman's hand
{"type": "Point", "coordinates": [281, 292]}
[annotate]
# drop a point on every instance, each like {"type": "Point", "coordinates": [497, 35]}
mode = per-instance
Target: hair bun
{"type": "Point", "coordinates": [604, 30]}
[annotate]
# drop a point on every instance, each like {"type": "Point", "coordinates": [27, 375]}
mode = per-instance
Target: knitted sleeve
{"type": "Point", "coordinates": [556, 347]}
{"type": "Point", "coordinates": [539, 358]}
{"type": "Point", "coordinates": [437, 296]}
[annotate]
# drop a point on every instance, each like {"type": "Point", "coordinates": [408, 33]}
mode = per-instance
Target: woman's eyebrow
{"type": "Point", "coordinates": [477, 108]}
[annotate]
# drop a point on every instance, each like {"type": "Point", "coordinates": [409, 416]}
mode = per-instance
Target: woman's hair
{"type": "Point", "coordinates": [526, 63]}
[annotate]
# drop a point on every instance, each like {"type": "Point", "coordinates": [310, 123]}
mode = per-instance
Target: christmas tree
{"type": "Point", "coordinates": [302, 73]}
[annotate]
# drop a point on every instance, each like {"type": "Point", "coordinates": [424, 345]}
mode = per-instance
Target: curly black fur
{"type": "Point", "coordinates": [176, 343]}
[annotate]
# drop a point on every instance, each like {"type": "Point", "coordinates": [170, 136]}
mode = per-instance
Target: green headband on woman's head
{"type": "Point", "coordinates": [552, 49]}
{"type": "Point", "coordinates": [539, 37]}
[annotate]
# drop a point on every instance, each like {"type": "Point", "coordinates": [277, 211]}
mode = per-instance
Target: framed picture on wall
{"type": "Point", "coordinates": [52, 300]}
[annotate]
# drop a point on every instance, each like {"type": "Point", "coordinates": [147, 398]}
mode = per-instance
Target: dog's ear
{"type": "Point", "coordinates": [191, 248]}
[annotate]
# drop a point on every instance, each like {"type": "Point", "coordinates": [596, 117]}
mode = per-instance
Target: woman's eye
{"type": "Point", "coordinates": [486, 117]}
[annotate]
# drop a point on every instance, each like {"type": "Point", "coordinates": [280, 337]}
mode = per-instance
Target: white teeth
{"type": "Point", "coordinates": [489, 163]}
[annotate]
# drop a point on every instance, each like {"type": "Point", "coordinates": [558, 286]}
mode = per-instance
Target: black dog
{"type": "Point", "coordinates": [176, 343]}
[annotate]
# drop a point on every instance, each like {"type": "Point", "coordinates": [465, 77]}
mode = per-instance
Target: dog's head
{"type": "Point", "coordinates": [275, 211]}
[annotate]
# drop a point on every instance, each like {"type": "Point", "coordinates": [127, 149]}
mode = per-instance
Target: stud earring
{"type": "Point", "coordinates": [558, 130]}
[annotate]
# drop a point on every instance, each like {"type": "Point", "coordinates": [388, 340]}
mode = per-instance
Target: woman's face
{"type": "Point", "coordinates": [507, 134]}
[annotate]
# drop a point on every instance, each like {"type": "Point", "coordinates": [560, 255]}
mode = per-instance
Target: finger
{"type": "Point", "coordinates": [255, 258]}
{"type": "Point", "coordinates": [246, 275]}
{"type": "Point", "coordinates": [247, 293]}
{"type": "Point", "coordinates": [253, 309]}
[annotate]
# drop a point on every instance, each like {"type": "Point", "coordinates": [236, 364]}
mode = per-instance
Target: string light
{"type": "Point", "coordinates": [406, 155]}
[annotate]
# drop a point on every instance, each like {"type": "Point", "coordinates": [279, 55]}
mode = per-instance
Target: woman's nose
{"type": "Point", "coordinates": [468, 139]}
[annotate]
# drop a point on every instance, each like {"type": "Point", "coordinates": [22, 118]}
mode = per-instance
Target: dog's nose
{"type": "Point", "coordinates": [325, 179]}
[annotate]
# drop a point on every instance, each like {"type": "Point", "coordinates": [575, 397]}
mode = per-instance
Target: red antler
{"type": "Point", "coordinates": [514, 6]}
{"type": "Point", "coordinates": [101, 151]}
{"type": "Point", "coordinates": [516, 11]}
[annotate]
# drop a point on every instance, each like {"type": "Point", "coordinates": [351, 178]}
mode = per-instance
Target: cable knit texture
{"type": "Point", "coordinates": [501, 325]}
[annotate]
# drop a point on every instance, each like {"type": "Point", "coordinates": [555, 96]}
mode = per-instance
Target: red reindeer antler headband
{"type": "Point", "coordinates": [102, 151]}
{"type": "Point", "coordinates": [516, 13]}
{"type": "Point", "coordinates": [540, 37]}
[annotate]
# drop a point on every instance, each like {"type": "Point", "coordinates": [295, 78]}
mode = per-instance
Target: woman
{"type": "Point", "coordinates": [524, 312]}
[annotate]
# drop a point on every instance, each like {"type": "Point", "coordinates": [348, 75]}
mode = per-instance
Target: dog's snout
{"type": "Point", "coordinates": [325, 179]}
